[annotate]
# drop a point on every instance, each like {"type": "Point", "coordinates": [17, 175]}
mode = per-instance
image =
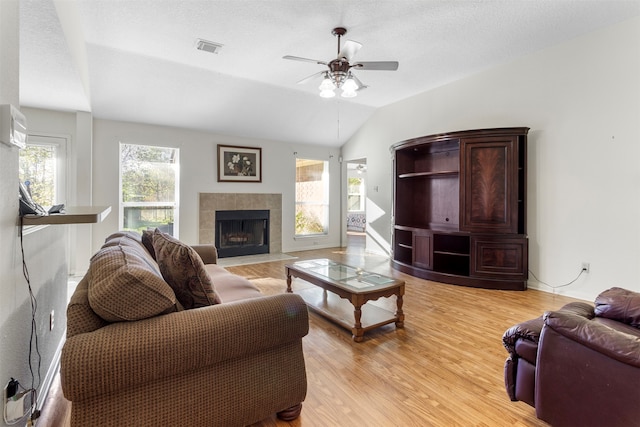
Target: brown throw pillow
{"type": "Point", "coordinates": [147, 241]}
{"type": "Point", "coordinates": [619, 304]}
{"type": "Point", "coordinates": [125, 287]}
{"type": "Point", "coordinates": [184, 270]}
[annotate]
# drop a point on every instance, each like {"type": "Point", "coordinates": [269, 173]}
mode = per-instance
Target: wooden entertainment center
{"type": "Point", "coordinates": [459, 208]}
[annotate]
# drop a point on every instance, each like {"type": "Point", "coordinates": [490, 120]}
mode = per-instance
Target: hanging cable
{"type": "Point", "coordinates": [557, 286]}
{"type": "Point", "coordinates": [33, 341]}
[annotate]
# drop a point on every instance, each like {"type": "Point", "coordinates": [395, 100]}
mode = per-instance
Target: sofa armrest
{"type": "Point", "coordinates": [581, 309]}
{"type": "Point", "coordinates": [126, 354]}
{"type": "Point", "coordinates": [208, 253]}
{"type": "Point", "coordinates": [528, 330]}
{"type": "Point", "coordinates": [610, 342]}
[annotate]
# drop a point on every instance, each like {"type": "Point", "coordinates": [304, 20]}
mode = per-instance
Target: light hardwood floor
{"type": "Point", "coordinates": [445, 368]}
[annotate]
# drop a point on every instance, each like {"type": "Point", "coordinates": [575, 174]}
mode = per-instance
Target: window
{"type": "Point", "coordinates": [42, 169]}
{"type": "Point", "coordinates": [312, 197]}
{"type": "Point", "coordinates": [355, 196]}
{"type": "Point", "coordinates": [149, 188]}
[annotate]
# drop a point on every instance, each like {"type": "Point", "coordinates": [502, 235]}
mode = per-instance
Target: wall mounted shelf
{"type": "Point", "coordinates": [72, 215]}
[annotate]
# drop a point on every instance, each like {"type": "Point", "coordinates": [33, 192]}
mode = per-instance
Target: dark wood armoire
{"type": "Point", "coordinates": [459, 208]}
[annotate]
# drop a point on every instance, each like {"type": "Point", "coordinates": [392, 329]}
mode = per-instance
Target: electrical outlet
{"type": "Point", "coordinates": [51, 320]}
{"type": "Point", "coordinates": [585, 267]}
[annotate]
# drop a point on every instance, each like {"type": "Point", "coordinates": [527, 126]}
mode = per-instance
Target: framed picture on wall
{"type": "Point", "coordinates": [239, 164]}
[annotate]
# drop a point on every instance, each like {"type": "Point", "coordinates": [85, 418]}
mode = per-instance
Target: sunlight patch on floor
{"type": "Point", "coordinates": [252, 259]}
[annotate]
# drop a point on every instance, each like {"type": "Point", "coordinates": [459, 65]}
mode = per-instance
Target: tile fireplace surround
{"type": "Point", "coordinates": [212, 202]}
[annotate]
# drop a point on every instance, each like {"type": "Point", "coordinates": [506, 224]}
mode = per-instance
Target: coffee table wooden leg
{"type": "Point", "coordinates": [399, 313]}
{"type": "Point", "coordinates": [289, 281]}
{"type": "Point", "coordinates": [358, 333]}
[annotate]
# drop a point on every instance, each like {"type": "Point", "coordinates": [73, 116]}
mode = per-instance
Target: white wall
{"type": "Point", "coordinates": [198, 151]}
{"type": "Point", "coordinates": [43, 255]}
{"type": "Point", "coordinates": [581, 100]}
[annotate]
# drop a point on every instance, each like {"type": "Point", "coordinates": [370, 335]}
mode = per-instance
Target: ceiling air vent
{"type": "Point", "coordinates": [208, 46]}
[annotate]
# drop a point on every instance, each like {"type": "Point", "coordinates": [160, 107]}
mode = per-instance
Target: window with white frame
{"type": "Point", "coordinates": [312, 197]}
{"type": "Point", "coordinates": [355, 194]}
{"type": "Point", "coordinates": [42, 168]}
{"type": "Point", "coordinates": [149, 188]}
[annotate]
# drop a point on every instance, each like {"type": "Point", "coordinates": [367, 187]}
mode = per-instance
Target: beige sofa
{"type": "Point", "coordinates": [144, 350]}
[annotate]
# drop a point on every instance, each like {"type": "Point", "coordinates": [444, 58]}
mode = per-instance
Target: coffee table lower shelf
{"type": "Point", "coordinates": [341, 311]}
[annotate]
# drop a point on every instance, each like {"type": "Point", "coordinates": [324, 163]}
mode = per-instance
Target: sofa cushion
{"type": "Point", "coordinates": [619, 304]}
{"type": "Point", "coordinates": [231, 287]}
{"type": "Point", "coordinates": [126, 286]}
{"type": "Point", "coordinates": [122, 234]}
{"type": "Point", "coordinates": [80, 316]}
{"type": "Point", "coordinates": [184, 270]}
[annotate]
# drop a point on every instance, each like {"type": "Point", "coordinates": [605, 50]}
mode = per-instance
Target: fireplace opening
{"type": "Point", "coordinates": [242, 232]}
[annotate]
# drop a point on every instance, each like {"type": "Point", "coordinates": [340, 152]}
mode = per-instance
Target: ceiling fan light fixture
{"type": "Point", "coordinates": [326, 84]}
{"type": "Point", "coordinates": [349, 87]}
{"type": "Point", "coordinates": [327, 87]}
{"type": "Point", "coordinates": [338, 75]}
{"type": "Point", "coordinates": [327, 93]}
{"type": "Point", "coordinates": [350, 84]}
{"type": "Point", "coordinates": [349, 93]}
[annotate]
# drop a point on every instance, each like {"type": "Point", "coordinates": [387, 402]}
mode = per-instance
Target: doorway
{"type": "Point", "coordinates": [356, 202]}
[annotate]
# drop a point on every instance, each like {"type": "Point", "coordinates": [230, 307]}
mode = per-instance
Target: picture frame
{"type": "Point", "coordinates": [239, 164]}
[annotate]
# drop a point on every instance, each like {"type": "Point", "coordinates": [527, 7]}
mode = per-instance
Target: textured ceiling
{"type": "Point", "coordinates": [136, 61]}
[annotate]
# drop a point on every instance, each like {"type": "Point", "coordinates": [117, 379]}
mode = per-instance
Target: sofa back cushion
{"type": "Point", "coordinates": [619, 304]}
{"type": "Point", "coordinates": [80, 316]}
{"type": "Point", "coordinates": [126, 283]}
{"type": "Point", "coordinates": [183, 269]}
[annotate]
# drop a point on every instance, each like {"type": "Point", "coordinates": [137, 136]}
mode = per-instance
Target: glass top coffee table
{"type": "Point", "coordinates": [349, 289]}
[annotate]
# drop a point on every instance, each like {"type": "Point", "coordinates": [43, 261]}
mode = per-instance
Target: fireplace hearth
{"type": "Point", "coordinates": [242, 232]}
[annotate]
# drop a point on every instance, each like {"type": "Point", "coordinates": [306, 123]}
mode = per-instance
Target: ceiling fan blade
{"type": "Point", "coordinates": [377, 65]}
{"type": "Point", "coordinates": [349, 50]}
{"type": "Point", "coordinates": [297, 58]}
{"type": "Point", "coordinates": [358, 82]}
{"type": "Point", "coordinates": [311, 77]}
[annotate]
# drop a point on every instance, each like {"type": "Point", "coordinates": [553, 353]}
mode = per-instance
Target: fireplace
{"type": "Point", "coordinates": [242, 232]}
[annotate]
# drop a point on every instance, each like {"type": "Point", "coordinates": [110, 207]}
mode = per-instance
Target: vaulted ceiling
{"type": "Point", "coordinates": [136, 60]}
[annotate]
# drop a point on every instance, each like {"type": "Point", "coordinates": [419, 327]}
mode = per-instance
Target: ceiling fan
{"type": "Point", "coordinates": [339, 73]}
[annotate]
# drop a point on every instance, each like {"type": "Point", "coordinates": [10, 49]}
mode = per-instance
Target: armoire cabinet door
{"type": "Point", "coordinates": [422, 249]}
{"type": "Point", "coordinates": [489, 183]}
{"type": "Point", "coordinates": [499, 257]}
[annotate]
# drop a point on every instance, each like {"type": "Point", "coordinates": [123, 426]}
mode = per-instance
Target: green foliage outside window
{"type": "Point", "coordinates": [37, 165]}
{"type": "Point", "coordinates": [148, 174]}
{"type": "Point", "coordinates": [307, 224]}
{"type": "Point", "coordinates": [148, 187]}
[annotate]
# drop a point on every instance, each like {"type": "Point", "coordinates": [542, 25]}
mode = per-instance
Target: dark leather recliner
{"type": "Point", "coordinates": [580, 365]}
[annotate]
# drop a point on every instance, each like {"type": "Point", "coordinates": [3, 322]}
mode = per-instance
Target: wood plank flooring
{"type": "Point", "coordinates": [444, 368]}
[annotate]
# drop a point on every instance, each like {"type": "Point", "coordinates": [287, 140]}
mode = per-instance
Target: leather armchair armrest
{"type": "Point", "coordinates": [208, 253]}
{"type": "Point", "coordinates": [610, 342]}
{"type": "Point", "coordinates": [528, 330]}
{"type": "Point", "coordinates": [581, 309]}
{"type": "Point", "coordinates": [126, 354]}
